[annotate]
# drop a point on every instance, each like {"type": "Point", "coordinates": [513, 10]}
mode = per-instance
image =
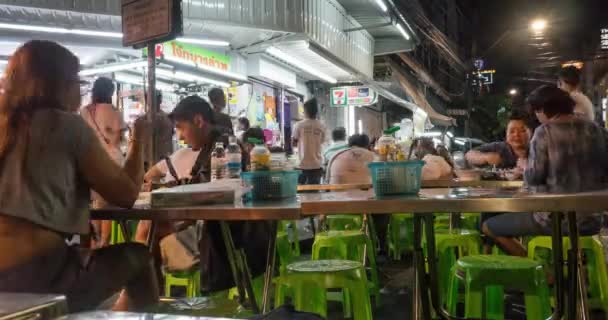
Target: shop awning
{"type": "Point", "coordinates": [419, 97]}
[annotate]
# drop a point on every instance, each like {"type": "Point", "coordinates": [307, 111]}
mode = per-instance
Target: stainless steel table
{"type": "Point", "coordinates": [431, 201]}
{"type": "Point", "coordinates": [31, 306]}
{"type": "Point", "coordinates": [257, 211]}
{"type": "Point", "coordinates": [451, 183]}
{"type": "Point", "coordinates": [103, 315]}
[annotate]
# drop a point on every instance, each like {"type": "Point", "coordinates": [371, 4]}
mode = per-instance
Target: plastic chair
{"type": "Point", "coordinates": [341, 222]}
{"type": "Point", "coordinates": [597, 271]}
{"type": "Point", "coordinates": [486, 277]}
{"type": "Point", "coordinates": [349, 245]}
{"type": "Point", "coordinates": [310, 280]}
{"type": "Point", "coordinates": [257, 284]}
{"type": "Point", "coordinates": [190, 279]}
{"type": "Point", "coordinates": [450, 245]}
{"type": "Point", "coordinates": [400, 235]}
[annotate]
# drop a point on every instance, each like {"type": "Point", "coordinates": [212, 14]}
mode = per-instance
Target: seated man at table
{"type": "Point", "coordinates": [508, 154]}
{"type": "Point", "coordinates": [567, 154]}
{"type": "Point", "coordinates": [194, 121]}
{"type": "Point", "coordinates": [350, 165]}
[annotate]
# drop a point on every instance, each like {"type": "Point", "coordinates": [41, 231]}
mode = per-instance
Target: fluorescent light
{"type": "Point", "coordinates": [459, 142]}
{"type": "Point", "coordinates": [206, 68]}
{"type": "Point", "coordinates": [139, 81]}
{"type": "Point", "coordinates": [22, 27]}
{"type": "Point", "coordinates": [351, 119]}
{"type": "Point", "coordinates": [215, 43]}
{"type": "Point", "coordinates": [360, 123]}
{"type": "Point", "coordinates": [382, 5]}
{"type": "Point", "coordinates": [113, 67]}
{"type": "Point", "coordinates": [450, 134]}
{"type": "Point", "coordinates": [431, 134]}
{"type": "Point", "coordinates": [403, 32]}
{"type": "Point", "coordinates": [299, 64]}
{"type": "Point", "coordinates": [195, 78]}
{"type": "Point", "coordinates": [3, 61]}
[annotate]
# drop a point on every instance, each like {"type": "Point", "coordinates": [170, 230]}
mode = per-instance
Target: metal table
{"type": "Point", "coordinates": [103, 315]}
{"type": "Point", "coordinates": [262, 211]}
{"type": "Point", "coordinates": [31, 306]}
{"type": "Point", "coordinates": [452, 183]}
{"type": "Point", "coordinates": [473, 200]}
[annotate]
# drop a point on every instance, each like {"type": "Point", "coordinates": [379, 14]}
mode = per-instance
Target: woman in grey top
{"type": "Point", "coordinates": [567, 154]}
{"type": "Point", "coordinates": [49, 160]}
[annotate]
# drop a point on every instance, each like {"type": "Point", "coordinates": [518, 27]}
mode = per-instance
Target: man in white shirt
{"type": "Point", "coordinates": [338, 136]}
{"type": "Point", "coordinates": [309, 136]}
{"type": "Point", "coordinates": [569, 80]}
{"type": "Point", "coordinates": [350, 165]}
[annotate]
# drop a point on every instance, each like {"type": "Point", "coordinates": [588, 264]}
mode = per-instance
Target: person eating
{"type": "Point", "coordinates": [568, 154]}
{"type": "Point", "coordinates": [50, 159]}
{"type": "Point", "coordinates": [507, 154]}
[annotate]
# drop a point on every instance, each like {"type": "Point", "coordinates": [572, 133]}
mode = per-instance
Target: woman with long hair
{"type": "Point", "coordinates": [50, 159]}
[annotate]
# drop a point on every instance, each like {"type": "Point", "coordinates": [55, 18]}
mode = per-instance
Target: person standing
{"type": "Point", "coordinates": [569, 80]}
{"type": "Point", "coordinates": [222, 120]}
{"type": "Point", "coordinates": [338, 136]}
{"type": "Point", "coordinates": [309, 136]}
{"type": "Point", "coordinates": [163, 127]}
{"type": "Point", "coordinates": [108, 125]}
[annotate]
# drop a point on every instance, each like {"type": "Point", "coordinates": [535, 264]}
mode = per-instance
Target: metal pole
{"type": "Point", "coordinates": [151, 102]}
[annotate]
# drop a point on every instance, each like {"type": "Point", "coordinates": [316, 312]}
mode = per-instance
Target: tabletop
{"type": "Point", "coordinates": [450, 183]}
{"type": "Point", "coordinates": [274, 210]}
{"type": "Point", "coordinates": [102, 315]}
{"type": "Point", "coordinates": [17, 303]}
{"type": "Point", "coordinates": [452, 200]}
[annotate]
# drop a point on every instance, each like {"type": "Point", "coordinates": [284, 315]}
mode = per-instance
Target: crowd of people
{"type": "Point", "coordinates": [52, 158]}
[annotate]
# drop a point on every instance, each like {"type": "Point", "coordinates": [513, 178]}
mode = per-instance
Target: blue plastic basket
{"type": "Point", "coordinates": [270, 185]}
{"type": "Point", "coordinates": [396, 178]}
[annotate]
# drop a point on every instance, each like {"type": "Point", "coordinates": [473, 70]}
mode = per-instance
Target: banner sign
{"type": "Point", "coordinates": [353, 96]}
{"type": "Point", "coordinates": [175, 50]}
{"type": "Point", "coordinates": [145, 21]}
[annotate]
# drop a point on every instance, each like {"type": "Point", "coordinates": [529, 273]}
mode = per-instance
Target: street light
{"type": "Point", "coordinates": [538, 25]}
{"type": "Point", "coordinates": [513, 92]}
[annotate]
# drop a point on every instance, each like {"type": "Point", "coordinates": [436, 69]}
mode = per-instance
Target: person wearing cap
{"type": "Point", "coordinates": [194, 123]}
{"type": "Point", "coordinates": [222, 120]}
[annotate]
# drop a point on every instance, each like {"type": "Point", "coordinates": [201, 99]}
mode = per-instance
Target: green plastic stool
{"type": "Point", "coordinates": [597, 271]}
{"type": "Point", "coordinates": [449, 246]}
{"type": "Point", "coordinates": [257, 284]}
{"type": "Point", "coordinates": [348, 245]}
{"type": "Point", "coordinates": [190, 279]}
{"type": "Point", "coordinates": [468, 221]}
{"type": "Point", "coordinates": [400, 235]}
{"type": "Point", "coordinates": [485, 277]}
{"type": "Point", "coordinates": [341, 222]}
{"type": "Point", "coordinates": [310, 280]}
{"type": "Point", "coordinates": [287, 251]}
{"type": "Point", "coordinates": [116, 236]}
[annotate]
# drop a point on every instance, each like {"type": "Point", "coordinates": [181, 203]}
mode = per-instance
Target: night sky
{"type": "Point", "coordinates": [572, 33]}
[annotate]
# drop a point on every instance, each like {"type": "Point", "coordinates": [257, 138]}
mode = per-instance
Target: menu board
{"type": "Point", "coordinates": [145, 21]}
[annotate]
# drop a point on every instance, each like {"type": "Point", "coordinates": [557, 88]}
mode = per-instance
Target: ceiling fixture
{"type": "Point", "coordinates": [431, 134]}
{"type": "Point", "coordinates": [450, 134]}
{"type": "Point", "coordinates": [213, 43]}
{"type": "Point", "coordinates": [3, 61]}
{"type": "Point", "coordinates": [113, 67]}
{"type": "Point", "coordinates": [382, 5]}
{"type": "Point", "coordinates": [403, 32]}
{"type": "Point", "coordinates": [299, 64]}
{"type": "Point", "coordinates": [228, 74]}
{"type": "Point", "coordinates": [103, 34]}
{"type": "Point", "coordinates": [140, 82]}
{"type": "Point", "coordinates": [179, 75]}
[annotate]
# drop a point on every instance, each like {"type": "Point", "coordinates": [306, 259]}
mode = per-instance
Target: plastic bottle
{"type": "Point", "coordinates": [233, 159]}
{"type": "Point", "coordinates": [260, 156]}
{"type": "Point", "coordinates": [386, 147]}
{"type": "Point", "coordinates": [218, 162]}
